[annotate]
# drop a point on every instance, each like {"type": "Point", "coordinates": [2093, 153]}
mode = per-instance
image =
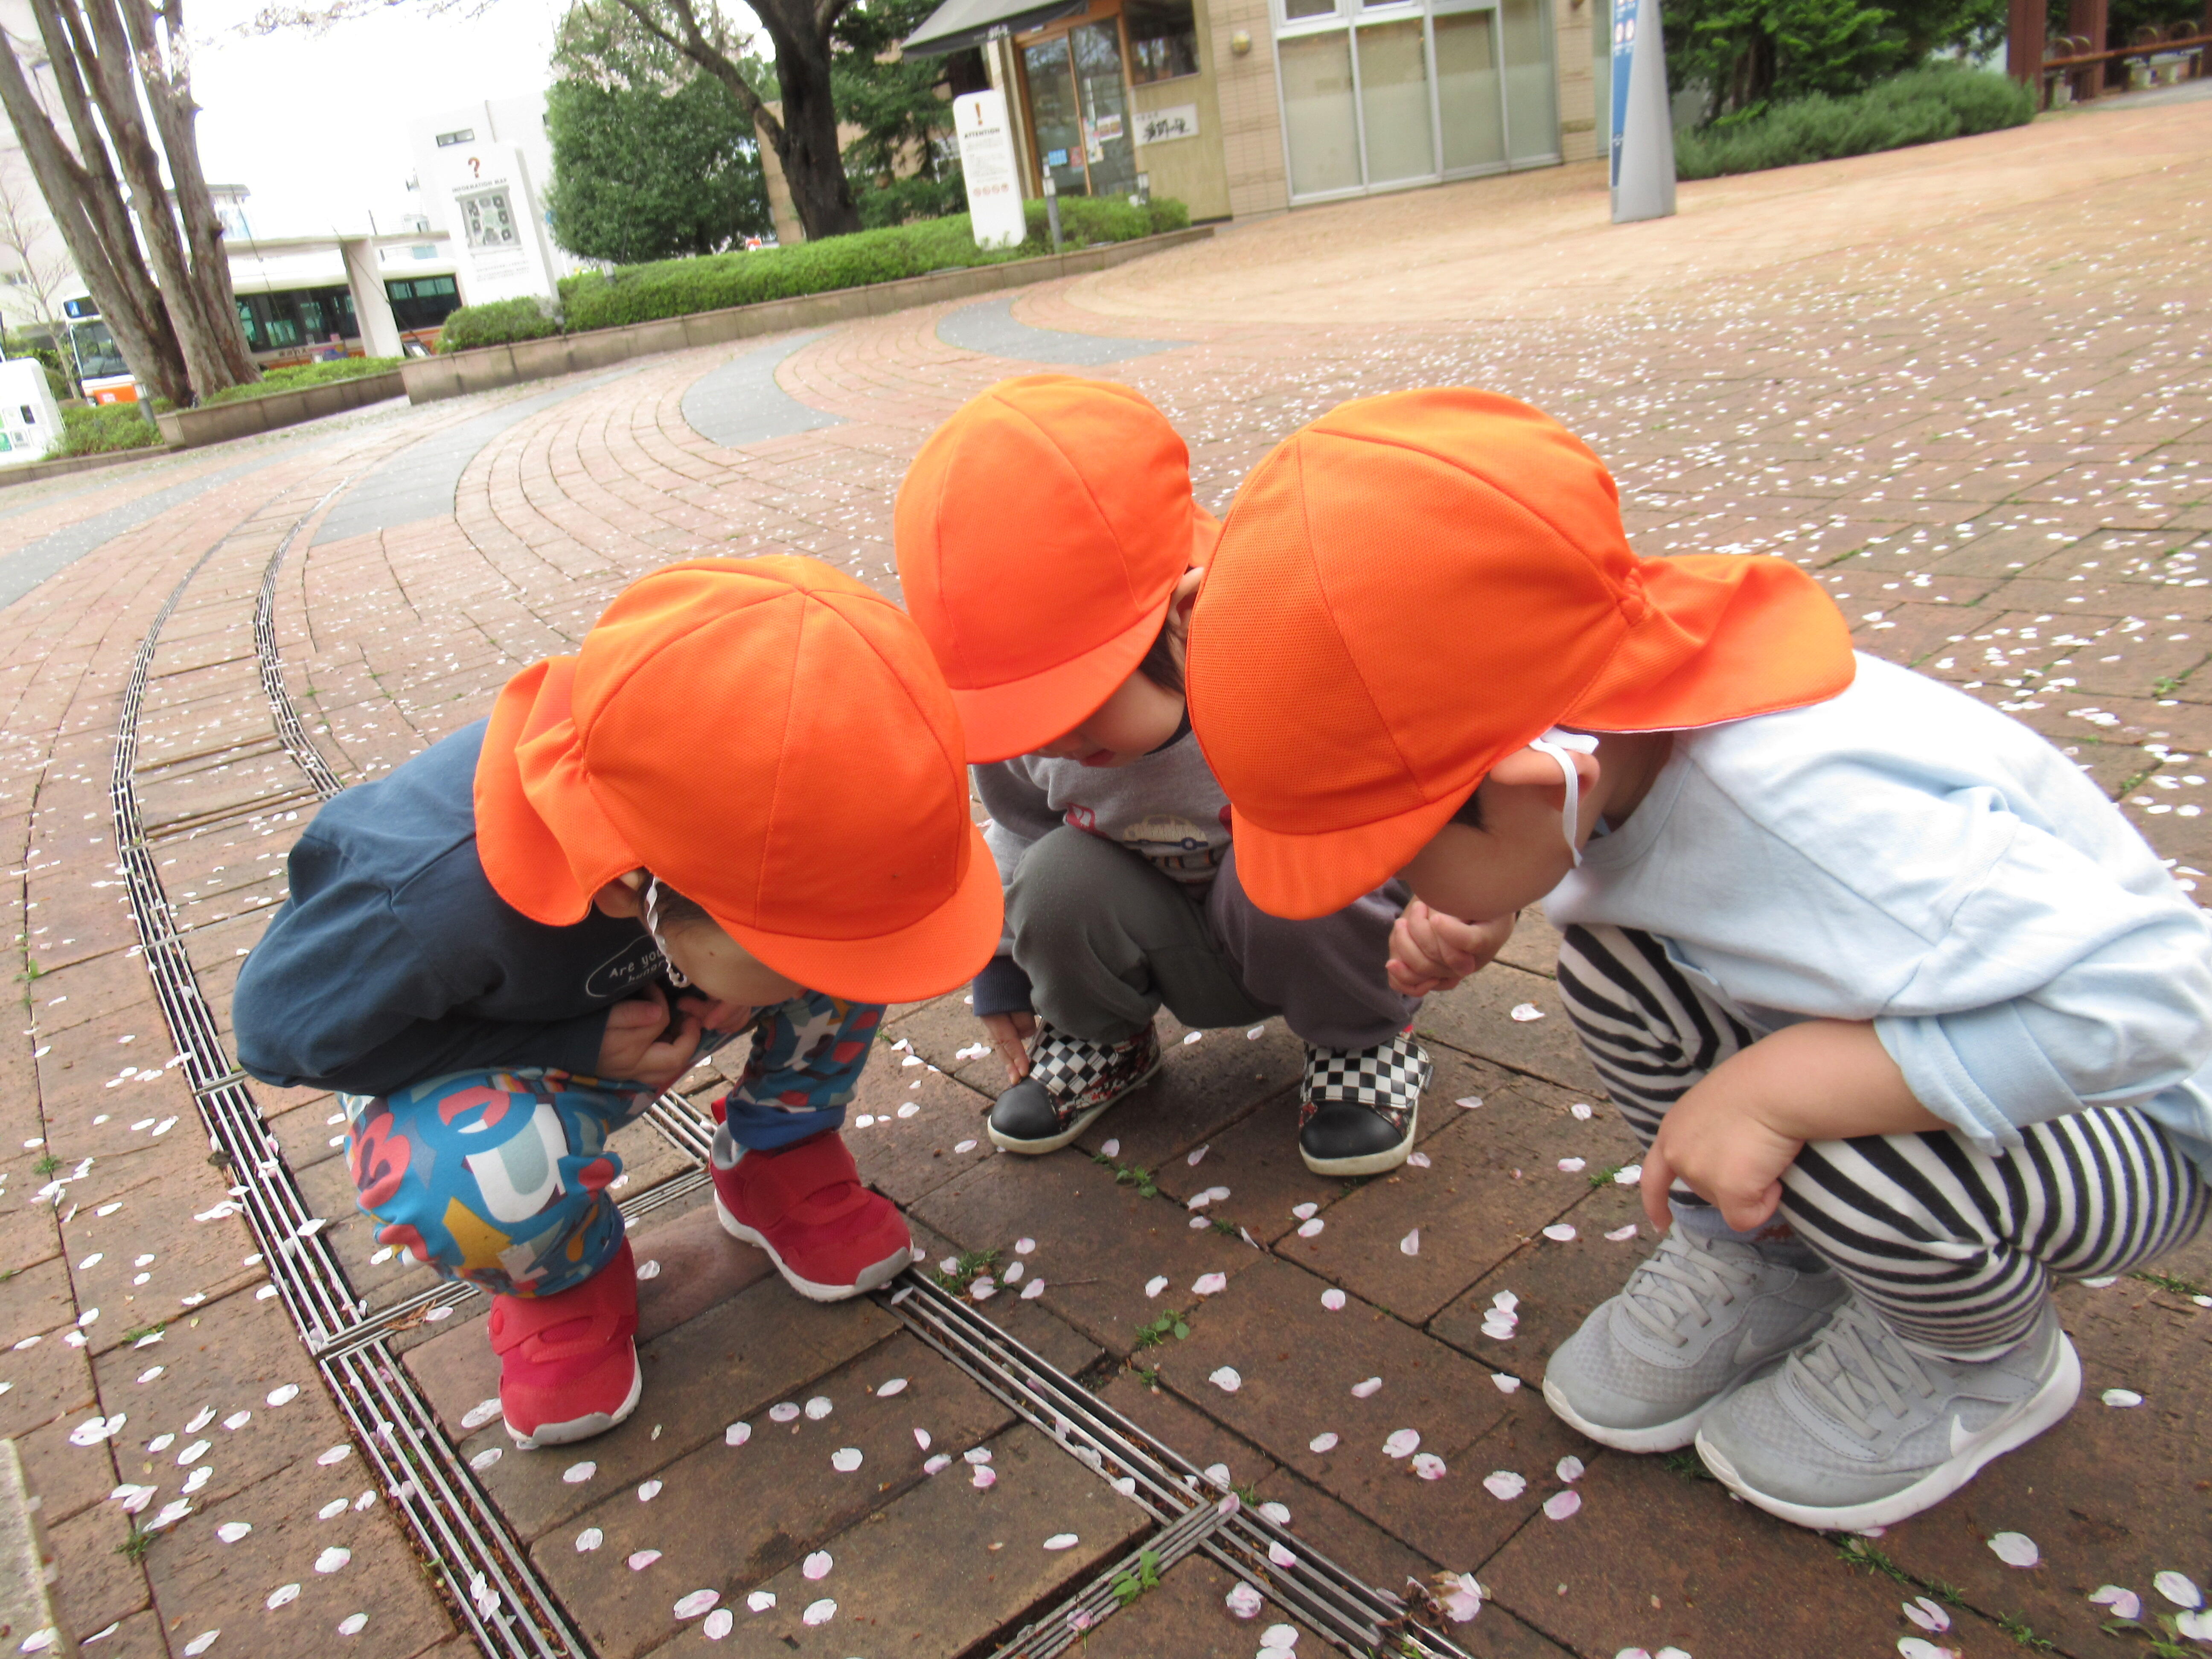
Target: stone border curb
{"type": "Point", "coordinates": [62, 467]}
{"type": "Point", "coordinates": [429, 379]}
{"type": "Point", "coordinates": [27, 1567]}
{"type": "Point", "coordinates": [189, 429]}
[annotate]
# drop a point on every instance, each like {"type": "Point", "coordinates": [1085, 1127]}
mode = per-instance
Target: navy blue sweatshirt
{"type": "Point", "coordinates": [394, 961]}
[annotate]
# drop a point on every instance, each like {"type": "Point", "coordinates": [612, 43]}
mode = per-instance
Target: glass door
{"type": "Point", "coordinates": [1532, 115]}
{"type": "Point", "coordinates": [1108, 147]}
{"type": "Point", "coordinates": [1054, 112]}
{"type": "Point", "coordinates": [1320, 121]}
{"type": "Point", "coordinates": [1468, 106]}
{"type": "Point", "coordinates": [1393, 101]}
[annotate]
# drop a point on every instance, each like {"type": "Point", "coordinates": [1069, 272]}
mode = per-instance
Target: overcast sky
{"type": "Point", "coordinates": [316, 125]}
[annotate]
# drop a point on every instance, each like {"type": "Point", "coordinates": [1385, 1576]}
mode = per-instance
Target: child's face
{"type": "Point", "coordinates": [1136, 720]}
{"type": "Point", "coordinates": [1142, 713]}
{"type": "Point", "coordinates": [723, 969]}
{"type": "Point", "coordinates": [1520, 852]}
{"type": "Point", "coordinates": [719, 968]}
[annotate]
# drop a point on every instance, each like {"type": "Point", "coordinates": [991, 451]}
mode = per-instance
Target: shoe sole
{"type": "Point", "coordinates": [871, 1278]}
{"type": "Point", "coordinates": [1371, 1163]}
{"type": "Point", "coordinates": [1083, 1121]}
{"type": "Point", "coordinates": [584, 1427]}
{"type": "Point", "coordinates": [2047, 1406]}
{"type": "Point", "coordinates": [1660, 1438]}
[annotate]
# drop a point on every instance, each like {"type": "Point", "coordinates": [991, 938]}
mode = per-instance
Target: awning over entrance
{"type": "Point", "coordinates": [959, 23]}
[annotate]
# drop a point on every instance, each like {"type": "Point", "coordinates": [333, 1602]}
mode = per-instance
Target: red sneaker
{"type": "Point", "coordinates": [568, 1364]}
{"type": "Point", "coordinates": [827, 1234]}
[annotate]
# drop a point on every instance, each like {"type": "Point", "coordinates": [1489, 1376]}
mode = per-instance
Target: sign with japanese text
{"type": "Point", "coordinates": [1158, 126]}
{"type": "Point", "coordinates": [988, 169]}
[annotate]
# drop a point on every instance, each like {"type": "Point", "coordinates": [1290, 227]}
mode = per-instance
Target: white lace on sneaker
{"type": "Point", "coordinates": [1856, 1364]}
{"type": "Point", "coordinates": [1681, 1281]}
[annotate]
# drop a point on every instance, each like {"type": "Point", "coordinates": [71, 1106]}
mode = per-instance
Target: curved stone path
{"type": "Point", "coordinates": [1969, 384]}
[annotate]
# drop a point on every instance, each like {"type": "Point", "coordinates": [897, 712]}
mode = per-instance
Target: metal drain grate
{"type": "Point", "coordinates": [498, 1595]}
{"type": "Point", "coordinates": [1333, 1602]}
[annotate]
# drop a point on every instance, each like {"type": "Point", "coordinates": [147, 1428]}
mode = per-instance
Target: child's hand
{"type": "Point", "coordinates": [1010, 1035]}
{"type": "Point", "coordinates": [639, 1045]}
{"type": "Point", "coordinates": [1718, 1146]}
{"type": "Point", "coordinates": [716, 1015]}
{"type": "Point", "coordinates": [1433, 951]}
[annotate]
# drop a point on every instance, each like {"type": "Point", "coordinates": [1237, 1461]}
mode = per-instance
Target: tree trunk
{"type": "Point", "coordinates": [116, 89]}
{"type": "Point", "coordinates": [165, 64]}
{"type": "Point", "coordinates": [808, 149]}
{"type": "Point", "coordinates": [806, 138]}
{"type": "Point", "coordinates": [85, 203]}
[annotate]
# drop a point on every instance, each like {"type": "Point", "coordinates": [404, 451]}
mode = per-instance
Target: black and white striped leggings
{"type": "Point", "coordinates": [1956, 1248]}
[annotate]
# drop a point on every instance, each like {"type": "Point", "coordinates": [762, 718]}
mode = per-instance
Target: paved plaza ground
{"type": "Point", "coordinates": [1969, 384]}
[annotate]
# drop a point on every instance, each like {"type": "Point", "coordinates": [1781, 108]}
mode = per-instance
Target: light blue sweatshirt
{"type": "Point", "coordinates": [1904, 854]}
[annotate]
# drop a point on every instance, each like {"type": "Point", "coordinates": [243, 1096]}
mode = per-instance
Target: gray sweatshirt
{"type": "Point", "coordinates": [1166, 808]}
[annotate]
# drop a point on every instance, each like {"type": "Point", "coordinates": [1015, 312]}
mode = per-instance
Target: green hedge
{"type": "Point", "coordinates": [98, 429]}
{"type": "Point", "coordinates": [496, 324]}
{"type": "Point", "coordinates": [1918, 107]}
{"type": "Point", "coordinates": [678, 287]}
{"type": "Point", "coordinates": [300, 376]}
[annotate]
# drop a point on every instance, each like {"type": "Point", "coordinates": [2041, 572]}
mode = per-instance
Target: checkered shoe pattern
{"type": "Point", "coordinates": [1079, 1074]}
{"type": "Point", "coordinates": [1388, 1078]}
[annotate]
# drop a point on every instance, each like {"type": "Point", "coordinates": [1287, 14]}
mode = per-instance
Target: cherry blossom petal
{"type": "Point", "coordinates": [819, 1613]}
{"type": "Point", "coordinates": [1322, 1443]}
{"type": "Point", "coordinates": [1561, 1505]}
{"type": "Point", "coordinates": [1403, 1442]}
{"type": "Point", "coordinates": [2016, 1549]}
{"type": "Point", "coordinates": [699, 1601]}
{"type": "Point", "coordinates": [1504, 1485]}
{"type": "Point", "coordinates": [845, 1459]}
{"type": "Point", "coordinates": [1062, 1540]}
{"type": "Point", "coordinates": [1429, 1466]}
{"type": "Point", "coordinates": [1225, 1378]}
{"type": "Point", "coordinates": [589, 1540]}
{"type": "Point", "coordinates": [1210, 1284]}
{"type": "Point", "coordinates": [737, 1434]}
{"type": "Point", "coordinates": [1243, 1602]}
{"type": "Point", "coordinates": [1332, 1299]}
{"type": "Point", "coordinates": [2177, 1589]}
{"type": "Point", "coordinates": [719, 1623]}
{"type": "Point", "coordinates": [1362, 1390]}
{"type": "Point", "coordinates": [1411, 1243]}
{"type": "Point", "coordinates": [760, 1601]}
{"type": "Point", "coordinates": [643, 1559]}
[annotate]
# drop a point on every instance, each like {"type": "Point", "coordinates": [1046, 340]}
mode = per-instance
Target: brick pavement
{"type": "Point", "coordinates": [1967, 384]}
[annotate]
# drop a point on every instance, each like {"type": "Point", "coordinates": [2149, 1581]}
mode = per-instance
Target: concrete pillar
{"type": "Point", "coordinates": [372, 306]}
{"type": "Point", "coordinates": [2024, 42]}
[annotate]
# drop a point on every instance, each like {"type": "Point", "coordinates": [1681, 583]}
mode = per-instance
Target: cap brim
{"type": "Point", "coordinates": [999, 721]}
{"type": "Point", "coordinates": [945, 948]}
{"type": "Point", "coordinates": [529, 866]}
{"type": "Point", "coordinates": [1299, 877]}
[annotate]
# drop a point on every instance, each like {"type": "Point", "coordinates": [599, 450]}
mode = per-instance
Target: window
{"type": "Point", "coordinates": [487, 219]}
{"type": "Point", "coordinates": [465, 135]}
{"type": "Point", "coordinates": [422, 302]}
{"type": "Point", "coordinates": [1163, 39]}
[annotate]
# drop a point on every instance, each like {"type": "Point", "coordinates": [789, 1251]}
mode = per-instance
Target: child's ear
{"type": "Point", "coordinates": [620, 897]}
{"type": "Point", "coordinates": [1185, 599]}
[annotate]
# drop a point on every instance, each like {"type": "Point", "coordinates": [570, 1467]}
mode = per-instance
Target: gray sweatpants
{"type": "Point", "coordinates": [1106, 939]}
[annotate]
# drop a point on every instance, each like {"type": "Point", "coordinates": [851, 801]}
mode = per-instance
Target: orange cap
{"type": "Point", "coordinates": [770, 739]}
{"type": "Point", "coordinates": [1412, 587]}
{"type": "Point", "coordinates": [1041, 532]}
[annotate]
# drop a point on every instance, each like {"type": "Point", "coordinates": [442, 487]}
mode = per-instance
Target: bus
{"type": "Point", "coordinates": [282, 326]}
{"type": "Point", "coordinates": [101, 369]}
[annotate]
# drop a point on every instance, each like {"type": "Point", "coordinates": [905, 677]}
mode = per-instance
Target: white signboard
{"type": "Point", "coordinates": [1157, 127]}
{"type": "Point", "coordinates": [495, 216]}
{"type": "Point", "coordinates": [30, 419]}
{"type": "Point", "coordinates": [988, 170]}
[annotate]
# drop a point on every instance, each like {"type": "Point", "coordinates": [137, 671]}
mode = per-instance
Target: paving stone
{"type": "Point", "coordinates": [1477, 1018]}
{"type": "Point", "coordinates": [225, 1358]}
{"type": "Point", "coordinates": [1187, 1615]}
{"type": "Point", "coordinates": [1557, 1285]}
{"type": "Point", "coordinates": [1099, 1243]}
{"type": "Point", "coordinates": [208, 1260]}
{"type": "Point", "coordinates": [1296, 1365]}
{"type": "Point", "coordinates": [1655, 1559]}
{"type": "Point", "coordinates": [734, 1361]}
{"type": "Point", "coordinates": [1185, 1429]}
{"type": "Point", "coordinates": [210, 1584]}
{"type": "Point", "coordinates": [1493, 1184]}
{"type": "Point", "coordinates": [905, 1158]}
{"type": "Point", "coordinates": [96, 1584]}
{"type": "Point", "coordinates": [971, 1590]}
{"type": "Point", "coordinates": [728, 1518]}
{"type": "Point", "coordinates": [1044, 1334]}
{"type": "Point", "coordinates": [98, 988]}
{"type": "Point", "coordinates": [48, 1380]}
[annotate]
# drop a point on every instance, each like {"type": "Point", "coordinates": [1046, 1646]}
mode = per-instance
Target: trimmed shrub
{"type": "Point", "coordinates": [678, 287]}
{"type": "Point", "coordinates": [1919, 107]}
{"type": "Point", "coordinates": [100, 428]}
{"type": "Point", "coordinates": [496, 323]}
{"type": "Point", "coordinates": [300, 376]}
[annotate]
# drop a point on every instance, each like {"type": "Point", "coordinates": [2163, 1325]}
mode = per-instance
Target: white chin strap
{"type": "Point", "coordinates": [1563, 746]}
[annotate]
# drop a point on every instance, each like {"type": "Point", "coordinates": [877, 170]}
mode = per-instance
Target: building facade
{"type": "Point", "coordinates": [1238, 107]}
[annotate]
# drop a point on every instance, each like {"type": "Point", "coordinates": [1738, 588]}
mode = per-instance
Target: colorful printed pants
{"type": "Point", "coordinates": [501, 1178]}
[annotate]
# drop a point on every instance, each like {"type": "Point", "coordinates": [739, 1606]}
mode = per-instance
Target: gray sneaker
{"type": "Point", "coordinates": [1697, 1316]}
{"type": "Point", "coordinates": [1856, 1430]}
